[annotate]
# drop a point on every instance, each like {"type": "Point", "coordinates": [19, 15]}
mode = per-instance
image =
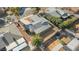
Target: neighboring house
{"type": "Point", "coordinates": [21, 9]}
{"type": "Point", "coordinates": [57, 12]}
{"type": "Point", "coordinates": [2, 44]}
{"type": "Point", "coordinates": [10, 18]}
{"type": "Point", "coordinates": [73, 10]}
{"type": "Point", "coordinates": [35, 24]}
{"type": "Point", "coordinates": [2, 22]}
{"type": "Point", "coordinates": [28, 11]}
{"type": "Point", "coordinates": [70, 32]}
{"type": "Point", "coordinates": [2, 12]}
{"type": "Point", "coordinates": [75, 34]}
{"type": "Point", "coordinates": [74, 44]}
{"type": "Point", "coordinates": [62, 13]}
{"type": "Point", "coordinates": [52, 11]}
{"type": "Point", "coordinates": [12, 38]}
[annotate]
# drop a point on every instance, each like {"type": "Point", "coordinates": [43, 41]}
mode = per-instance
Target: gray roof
{"type": "Point", "coordinates": [37, 19]}
{"type": "Point", "coordinates": [12, 29]}
{"type": "Point", "coordinates": [2, 22]}
{"type": "Point", "coordinates": [38, 25]}
{"type": "Point", "coordinates": [12, 32]}
{"type": "Point", "coordinates": [55, 14]}
{"type": "Point", "coordinates": [2, 44]}
{"type": "Point", "coordinates": [61, 12]}
{"type": "Point", "coordinates": [9, 37]}
{"type": "Point", "coordinates": [52, 12]}
{"type": "Point", "coordinates": [42, 28]}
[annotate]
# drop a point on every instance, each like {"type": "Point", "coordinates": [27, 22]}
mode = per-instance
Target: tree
{"type": "Point", "coordinates": [36, 10]}
{"type": "Point", "coordinates": [36, 41]}
{"type": "Point", "coordinates": [14, 10]}
{"type": "Point", "coordinates": [56, 20]}
{"type": "Point", "coordinates": [67, 23]}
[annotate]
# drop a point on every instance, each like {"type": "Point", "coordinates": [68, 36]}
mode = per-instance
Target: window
{"type": "Point", "coordinates": [5, 41]}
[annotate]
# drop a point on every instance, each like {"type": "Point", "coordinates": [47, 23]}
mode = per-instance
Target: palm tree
{"type": "Point", "coordinates": [36, 40]}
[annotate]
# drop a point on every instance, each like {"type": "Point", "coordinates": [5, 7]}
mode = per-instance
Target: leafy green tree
{"type": "Point", "coordinates": [56, 20]}
{"type": "Point", "coordinates": [36, 41]}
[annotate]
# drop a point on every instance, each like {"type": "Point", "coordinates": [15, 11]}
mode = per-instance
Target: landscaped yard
{"type": "Point", "coordinates": [67, 23]}
{"type": "Point", "coordinates": [61, 23]}
{"type": "Point", "coordinates": [53, 19]}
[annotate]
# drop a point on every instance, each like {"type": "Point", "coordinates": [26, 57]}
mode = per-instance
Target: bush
{"type": "Point", "coordinates": [56, 20]}
{"type": "Point", "coordinates": [53, 19]}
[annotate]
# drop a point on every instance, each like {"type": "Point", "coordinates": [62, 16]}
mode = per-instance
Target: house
{"type": "Point", "coordinates": [57, 12]}
{"type": "Point", "coordinates": [21, 9]}
{"type": "Point", "coordinates": [28, 11]}
{"type": "Point", "coordinates": [2, 44]}
{"type": "Point", "coordinates": [10, 18]}
{"type": "Point", "coordinates": [73, 10]}
{"type": "Point", "coordinates": [2, 22]}
{"type": "Point", "coordinates": [62, 13]}
{"type": "Point", "coordinates": [35, 24]}
{"type": "Point", "coordinates": [74, 44]}
{"type": "Point", "coordinates": [12, 38]}
{"type": "Point", "coordinates": [2, 12]}
{"type": "Point", "coordinates": [52, 11]}
{"type": "Point", "coordinates": [55, 46]}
